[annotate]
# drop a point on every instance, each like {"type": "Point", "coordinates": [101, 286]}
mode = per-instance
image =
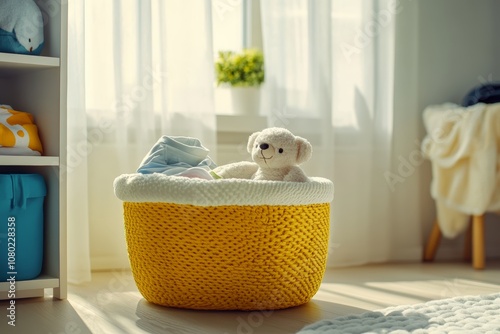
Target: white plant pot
{"type": "Point", "coordinates": [245, 100]}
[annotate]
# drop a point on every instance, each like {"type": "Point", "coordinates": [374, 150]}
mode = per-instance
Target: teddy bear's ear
{"type": "Point", "coordinates": [304, 150]}
{"type": "Point", "coordinates": [251, 140]}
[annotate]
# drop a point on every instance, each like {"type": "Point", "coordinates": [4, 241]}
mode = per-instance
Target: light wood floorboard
{"type": "Point", "coordinates": [112, 304]}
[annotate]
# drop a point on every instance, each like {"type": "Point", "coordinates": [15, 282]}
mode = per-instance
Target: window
{"type": "Point", "coordinates": [228, 21]}
{"type": "Point", "coordinates": [236, 25]}
{"type": "Point", "coordinates": [349, 72]}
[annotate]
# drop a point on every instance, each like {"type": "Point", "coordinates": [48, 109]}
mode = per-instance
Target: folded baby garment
{"type": "Point", "coordinates": [18, 133]}
{"type": "Point", "coordinates": [175, 155]}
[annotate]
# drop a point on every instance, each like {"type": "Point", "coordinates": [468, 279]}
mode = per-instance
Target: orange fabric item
{"type": "Point", "coordinates": [17, 129]}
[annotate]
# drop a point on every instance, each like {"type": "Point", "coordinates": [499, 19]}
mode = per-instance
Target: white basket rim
{"type": "Point", "coordinates": [159, 187]}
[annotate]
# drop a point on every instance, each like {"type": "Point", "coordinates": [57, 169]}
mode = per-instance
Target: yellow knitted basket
{"type": "Point", "coordinates": [225, 256]}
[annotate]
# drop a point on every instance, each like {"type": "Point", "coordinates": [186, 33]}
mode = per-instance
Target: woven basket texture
{"type": "Point", "coordinates": [227, 257]}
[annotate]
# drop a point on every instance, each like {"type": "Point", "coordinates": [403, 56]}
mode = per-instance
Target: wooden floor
{"type": "Point", "coordinates": [112, 304]}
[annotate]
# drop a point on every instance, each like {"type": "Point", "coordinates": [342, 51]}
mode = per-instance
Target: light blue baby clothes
{"type": "Point", "coordinates": [174, 155]}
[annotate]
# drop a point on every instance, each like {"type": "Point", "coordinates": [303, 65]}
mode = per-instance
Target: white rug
{"type": "Point", "coordinates": [472, 314]}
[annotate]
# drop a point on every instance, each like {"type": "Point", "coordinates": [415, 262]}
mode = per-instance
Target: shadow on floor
{"type": "Point", "coordinates": [159, 319]}
{"type": "Point", "coordinates": [34, 315]}
{"type": "Point", "coordinates": [373, 322]}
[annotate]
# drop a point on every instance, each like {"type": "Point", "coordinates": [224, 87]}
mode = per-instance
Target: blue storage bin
{"type": "Point", "coordinates": [21, 208]}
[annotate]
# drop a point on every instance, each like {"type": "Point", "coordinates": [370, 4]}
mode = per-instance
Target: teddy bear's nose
{"type": "Point", "coordinates": [264, 146]}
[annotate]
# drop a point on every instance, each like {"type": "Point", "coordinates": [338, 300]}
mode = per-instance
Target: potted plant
{"type": "Point", "coordinates": [244, 73]}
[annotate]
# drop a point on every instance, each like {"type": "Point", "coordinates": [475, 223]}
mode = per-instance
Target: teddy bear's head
{"type": "Point", "coordinates": [278, 148]}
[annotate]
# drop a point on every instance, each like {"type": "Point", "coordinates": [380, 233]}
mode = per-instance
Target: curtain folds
{"type": "Point", "coordinates": [138, 70]}
{"type": "Point", "coordinates": [77, 166]}
{"type": "Point", "coordinates": [329, 78]}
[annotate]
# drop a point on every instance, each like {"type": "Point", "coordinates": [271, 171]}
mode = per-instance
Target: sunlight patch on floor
{"type": "Point", "coordinates": [370, 297]}
{"type": "Point", "coordinates": [427, 289]}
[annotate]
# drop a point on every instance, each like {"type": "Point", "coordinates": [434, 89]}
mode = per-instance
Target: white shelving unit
{"type": "Point", "coordinates": [37, 84]}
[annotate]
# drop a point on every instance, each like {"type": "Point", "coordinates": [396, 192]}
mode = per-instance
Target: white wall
{"type": "Point", "coordinates": [407, 132]}
{"type": "Point", "coordinates": [446, 47]}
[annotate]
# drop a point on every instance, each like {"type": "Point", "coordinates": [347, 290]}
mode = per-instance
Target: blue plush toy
{"type": "Point", "coordinates": [21, 27]}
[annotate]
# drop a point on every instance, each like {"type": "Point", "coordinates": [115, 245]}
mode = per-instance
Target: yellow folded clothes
{"type": "Point", "coordinates": [18, 130]}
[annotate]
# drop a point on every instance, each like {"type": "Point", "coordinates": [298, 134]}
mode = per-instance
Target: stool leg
{"type": "Point", "coordinates": [432, 243]}
{"type": "Point", "coordinates": [468, 243]}
{"type": "Point", "coordinates": [478, 242]}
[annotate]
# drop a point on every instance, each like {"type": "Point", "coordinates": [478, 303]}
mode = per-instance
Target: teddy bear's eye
{"type": "Point", "coordinates": [280, 150]}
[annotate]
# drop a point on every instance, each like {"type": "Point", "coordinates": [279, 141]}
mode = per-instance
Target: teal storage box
{"type": "Point", "coordinates": [21, 225]}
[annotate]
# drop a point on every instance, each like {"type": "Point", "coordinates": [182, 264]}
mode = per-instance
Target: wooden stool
{"type": "Point", "coordinates": [474, 243]}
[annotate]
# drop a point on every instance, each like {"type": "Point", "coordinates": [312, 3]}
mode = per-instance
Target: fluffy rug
{"type": "Point", "coordinates": [473, 314]}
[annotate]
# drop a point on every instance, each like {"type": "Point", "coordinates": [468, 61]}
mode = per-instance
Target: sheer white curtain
{"type": "Point", "coordinates": [330, 78]}
{"type": "Point", "coordinates": [139, 69]}
{"type": "Point", "coordinates": [77, 168]}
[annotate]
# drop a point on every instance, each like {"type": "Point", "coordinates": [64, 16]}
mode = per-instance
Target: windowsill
{"type": "Point", "coordinates": [240, 123]}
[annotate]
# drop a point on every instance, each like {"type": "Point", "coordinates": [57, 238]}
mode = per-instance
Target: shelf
{"type": "Point", "coordinates": [29, 288]}
{"type": "Point", "coordinates": [38, 85]}
{"type": "Point", "coordinates": [11, 160]}
{"type": "Point", "coordinates": [41, 282]}
{"type": "Point", "coordinates": [14, 64]}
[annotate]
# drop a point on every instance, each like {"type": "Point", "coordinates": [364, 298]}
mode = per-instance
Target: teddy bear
{"type": "Point", "coordinates": [276, 154]}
